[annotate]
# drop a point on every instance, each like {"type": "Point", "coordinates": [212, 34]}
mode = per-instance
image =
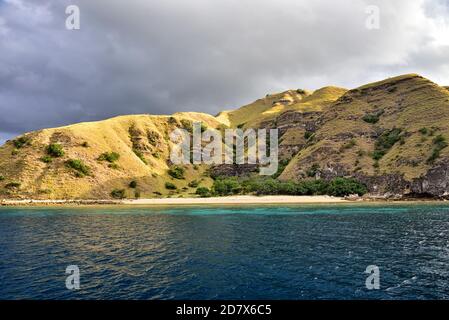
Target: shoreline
{"type": "Point", "coordinates": [232, 200]}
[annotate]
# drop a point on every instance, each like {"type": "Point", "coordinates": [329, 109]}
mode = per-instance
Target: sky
{"type": "Point", "coordinates": [165, 56]}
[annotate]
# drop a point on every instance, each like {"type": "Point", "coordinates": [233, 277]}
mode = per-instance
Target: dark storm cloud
{"type": "Point", "coordinates": [148, 56]}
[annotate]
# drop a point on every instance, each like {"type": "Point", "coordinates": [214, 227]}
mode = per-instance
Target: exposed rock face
{"type": "Point", "coordinates": [434, 183]}
{"type": "Point", "coordinates": [232, 170]}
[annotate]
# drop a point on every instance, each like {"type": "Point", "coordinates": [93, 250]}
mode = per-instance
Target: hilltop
{"type": "Point", "coordinates": [389, 135]}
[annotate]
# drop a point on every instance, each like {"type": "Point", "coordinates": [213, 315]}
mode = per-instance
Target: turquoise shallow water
{"type": "Point", "coordinates": [269, 252]}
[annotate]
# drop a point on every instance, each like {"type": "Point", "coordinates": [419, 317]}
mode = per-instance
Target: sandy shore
{"type": "Point", "coordinates": [238, 200]}
{"type": "Point", "coordinates": [184, 201]}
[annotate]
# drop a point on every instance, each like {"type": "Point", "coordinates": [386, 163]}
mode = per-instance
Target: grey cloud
{"type": "Point", "coordinates": [160, 56]}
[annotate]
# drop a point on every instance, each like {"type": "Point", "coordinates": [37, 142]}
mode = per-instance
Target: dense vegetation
{"type": "Point", "coordinates": [81, 169]}
{"type": "Point", "coordinates": [118, 193]}
{"type": "Point", "coordinates": [109, 157]}
{"type": "Point", "coordinates": [55, 150]}
{"type": "Point", "coordinates": [439, 143]}
{"type": "Point", "coordinates": [170, 186]}
{"type": "Point", "coordinates": [176, 172]}
{"type": "Point", "coordinates": [21, 142]}
{"type": "Point", "coordinates": [385, 142]}
{"type": "Point", "coordinates": [338, 187]}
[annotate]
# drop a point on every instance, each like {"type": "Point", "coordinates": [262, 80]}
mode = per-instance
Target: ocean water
{"type": "Point", "coordinates": [269, 252]}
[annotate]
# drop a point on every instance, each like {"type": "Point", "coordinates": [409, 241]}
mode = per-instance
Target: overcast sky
{"type": "Point", "coordinates": [163, 56]}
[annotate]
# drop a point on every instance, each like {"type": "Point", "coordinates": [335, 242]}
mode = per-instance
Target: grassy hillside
{"type": "Point", "coordinates": [28, 169]}
{"type": "Point", "coordinates": [391, 135]}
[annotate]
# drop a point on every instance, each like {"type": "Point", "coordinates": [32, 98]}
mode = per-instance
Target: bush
{"type": "Point", "coordinates": [308, 135]}
{"type": "Point", "coordinates": [2, 178]}
{"type": "Point", "coordinates": [385, 142]}
{"type": "Point", "coordinates": [140, 155]}
{"type": "Point", "coordinates": [227, 186]}
{"type": "Point", "coordinates": [79, 166]}
{"type": "Point", "coordinates": [109, 157]}
{"type": "Point", "coordinates": [424, 131]}
{"type": "Point", "coordinates": [372, 118]}
{"type": "Point", "coordinates": [193, 184]}
{"type": "Point", "coordinates": [313, 170]}
{"type": "Point", "coordinates": [170, 186]}
{"type": "Point", "coordinates": [21, 142]}
{"type": "Point", "coordinates": [133, 184]}
{"type": "Point", "coordinates": [187, 125]}
{"type": "Point", "coordinates": [176, 172]}
{"type": "Point", "coordinates": [203, 192]}
{"type": "Point", "coordinates": [281, 167]}
{"type": "Point", "coordinates": [85, 144]}
{"type": "Point", "coordinates": [47, 159]}
{"type": "Point", "coordinates": [156, 155]}
{"type": "Point", "coordinates": [439, 143]}
{"type": "Point", "coordinates": [340, 187]}
{"type": "Point", "coordinates": [55, 150]}
{"type": "Point", "coordinates": [118, 193]}
{"type": "Point", "coordinates": [337, 187]}
{"type": "Point", "coordinates": [13, 185]}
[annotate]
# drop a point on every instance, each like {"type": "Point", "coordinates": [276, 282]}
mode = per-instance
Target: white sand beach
{"type": "Point", "coordinates": [237, 200]}
{"type": "Point", "coordinates": [183, 201]}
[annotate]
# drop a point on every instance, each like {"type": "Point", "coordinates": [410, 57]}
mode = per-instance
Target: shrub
{"type": "Point", "coordinates": [187, 125]}
{"type": "Point", "coordinates": [312, 171]}
{"type": "Point", "coordinates": [85, 144]}
{"type": "Point", "coordinates": [46, 159]}
{"type": "Point", "coordinates": [118, 193]}
{"type": "Point", "coordinates": [15, 152]}
{"type": "Point", "coordinates": [21, 142]}
{"type": "Point", "coordinates": [176, 172]}
{"type": "Point", "coordinates": [79, 166]}
{"type": "Point", "coordinates": [281, 167]}
{"type": "Point", "coordinates": [424, 131]}
{"type": "Point", "coordinates": [109, 157]}
{"type": "Point", "coordinates": [55, 150]}
{"type": "Point", "coordinates": [193, 184]}
{"type": "Point", "coordinates": [13, 185]}
{"type": "Point", "coordinates": [372, 118]}
{"type": "Point", "coordinates": [385, 142]}
{"type": "Point", "coordinates": [133, 184]}
{"type": "Point", "coordinates": [137, 194]}
{"type": "Point", "coordinates": [439, 143]}
{"type": "Point", "coordinates": [308, 135]}
{"type": "Point", "coordinates": [203, 192]}
{"type": "Point", "coordinates": [2, 178]}
{"type": "Point", "coordinates": [114, 166]}
{"type": "Point", "coordinates": [140, 155]}
{"type": "Point", "coordinates": [170, 186]}
{"type": "Point", "coordinates": [227, 186]}
{"type": "Point", "coordinates": [156, 155]}
{"type": "Point", "coordinates": [341, 187]}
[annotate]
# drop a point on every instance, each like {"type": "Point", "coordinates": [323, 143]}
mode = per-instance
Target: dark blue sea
{"type": "Point", "coordinates": [270, 252]}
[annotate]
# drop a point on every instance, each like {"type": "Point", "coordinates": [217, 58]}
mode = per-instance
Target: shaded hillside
{"type": "Point", "coordinates": [387, 134]}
